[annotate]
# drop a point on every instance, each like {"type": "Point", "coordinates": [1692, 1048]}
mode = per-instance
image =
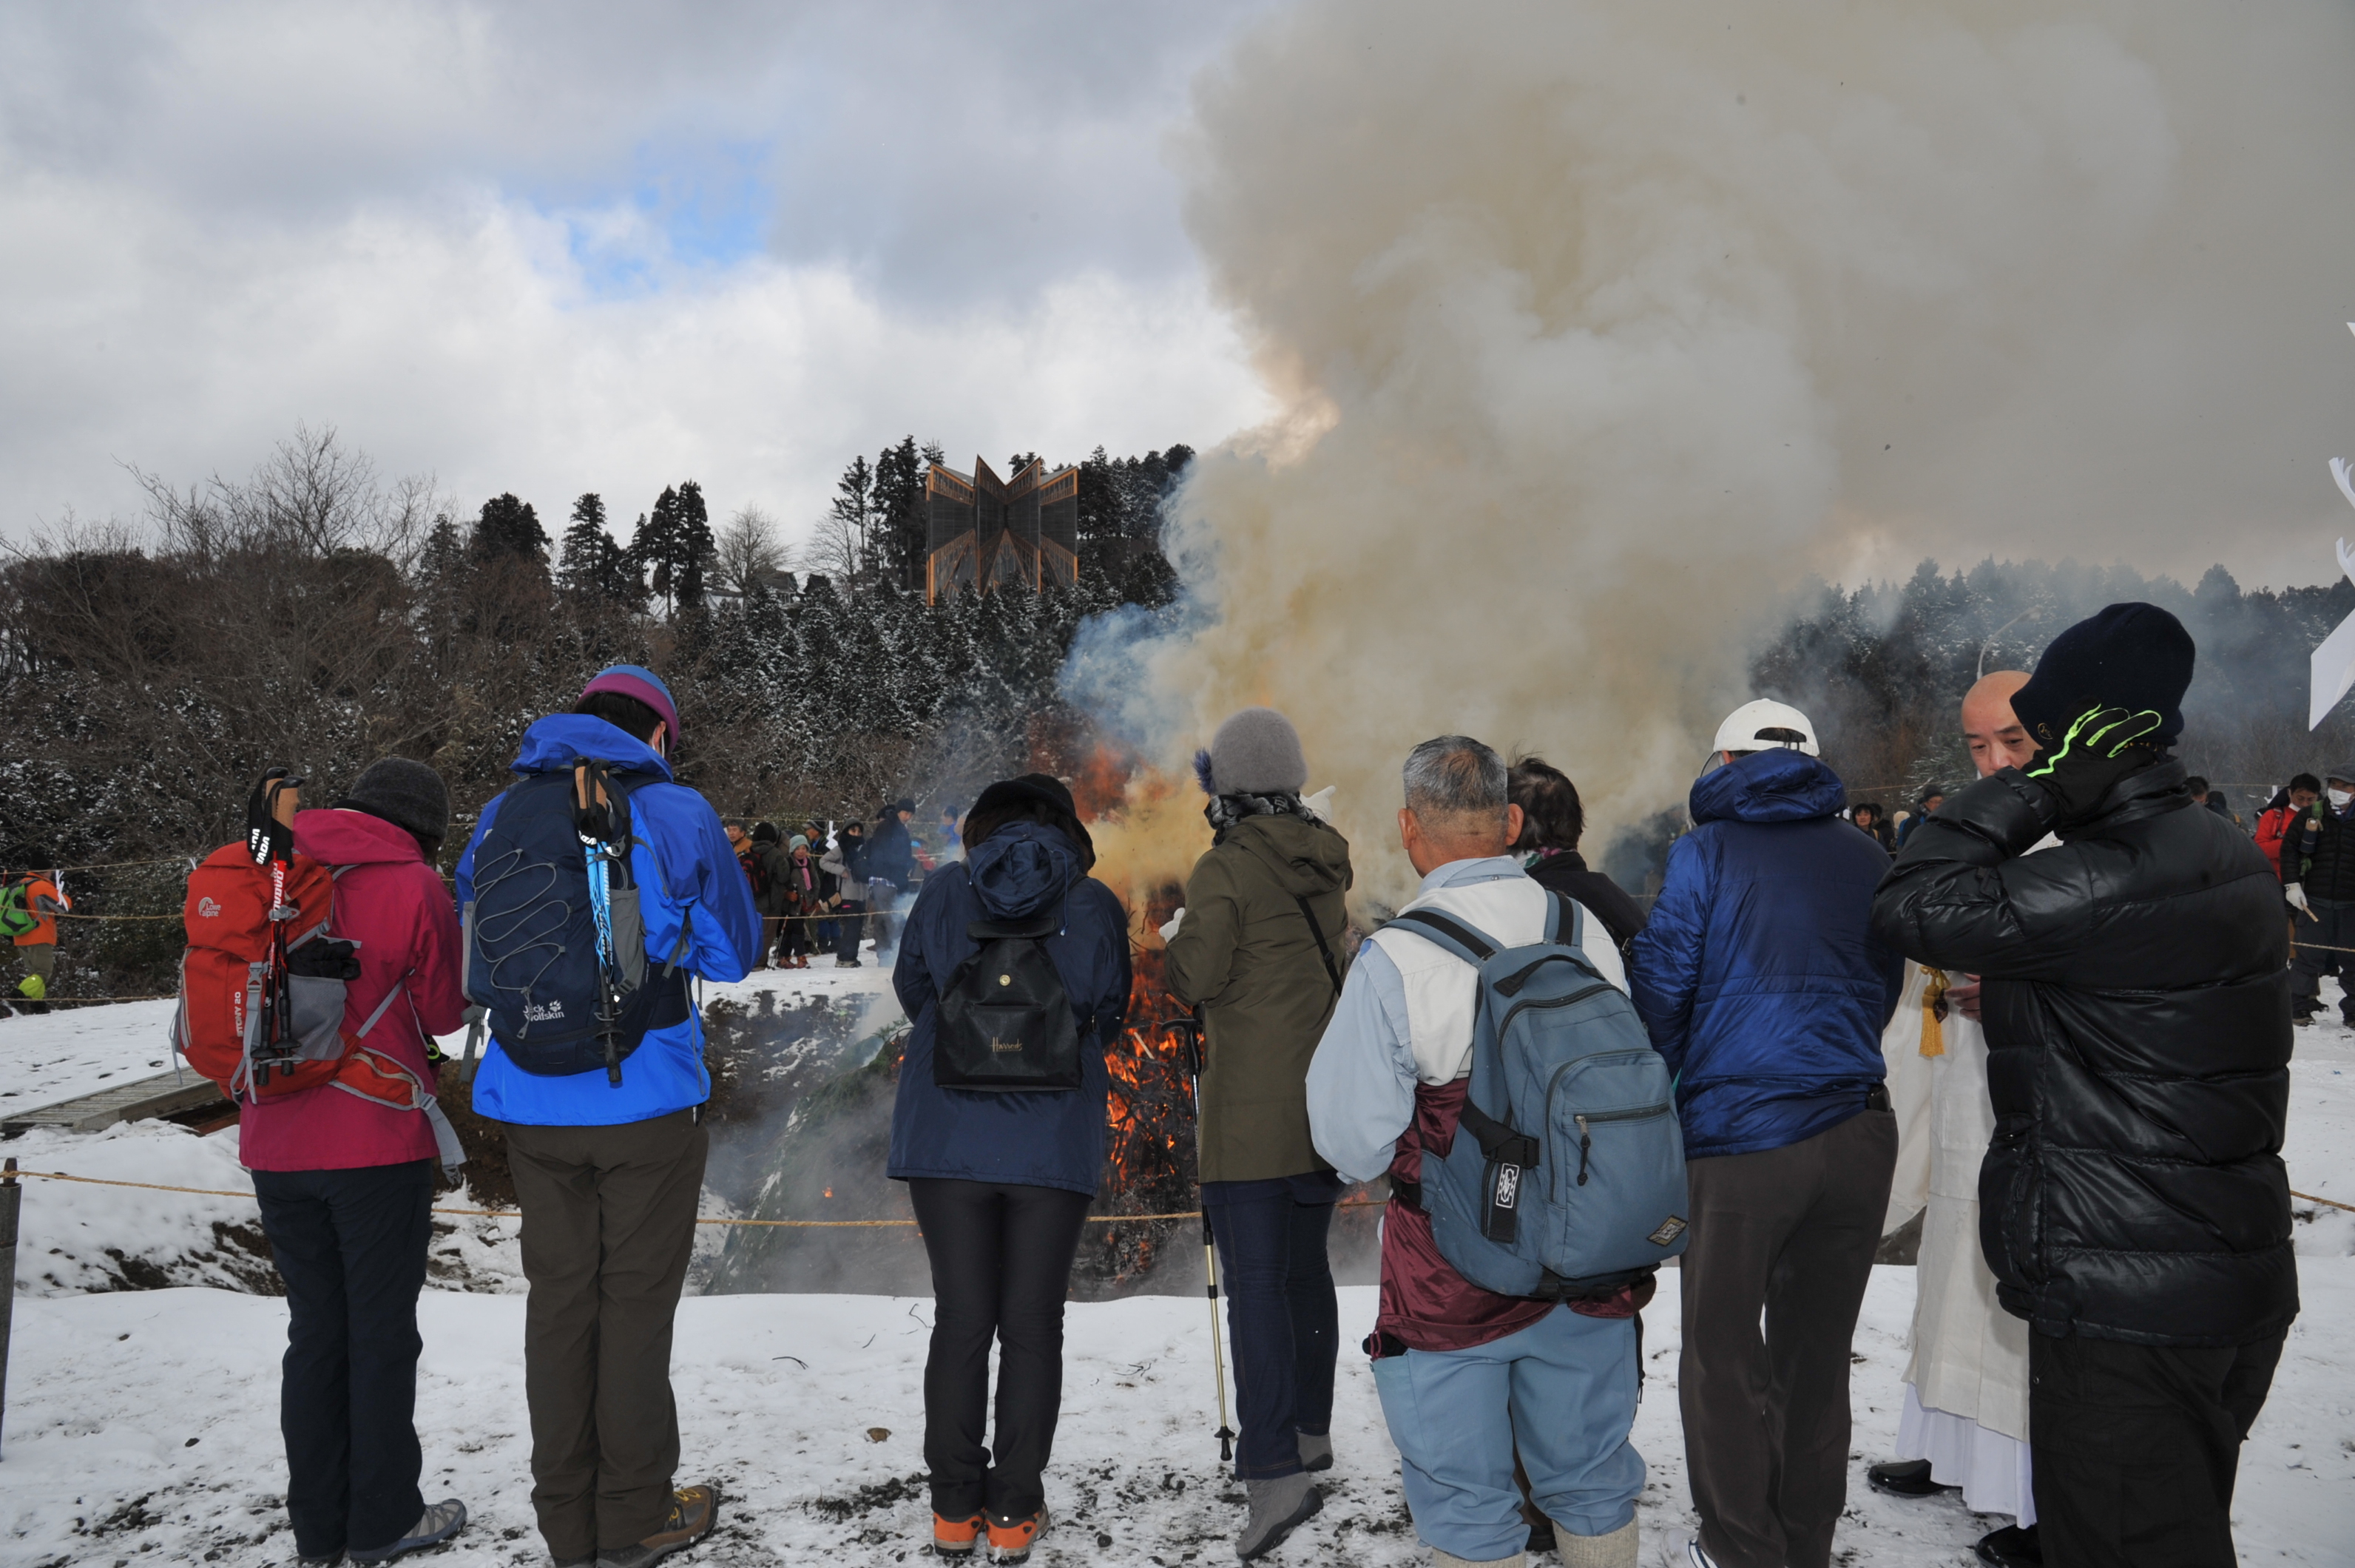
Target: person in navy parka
{"type": "Point", "coordinates": [1001, 1182]}
{"type": "Point", "coordinates": [1761, 982]}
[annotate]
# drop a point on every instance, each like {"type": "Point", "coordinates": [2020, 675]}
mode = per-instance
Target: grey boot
{"type": "Point", "coordinates": [1315, 1450]}
{"type": "Point", "coordinates": [1277, 1507]}
{"type": "Point", "coordinates": [1616, 1550]}
{"type": "Point", "coordinates": [1449, 1559]}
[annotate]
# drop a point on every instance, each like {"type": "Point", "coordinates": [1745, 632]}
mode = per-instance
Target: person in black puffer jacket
{"type": "Point", "coordinates": [2318, 872]}
{"type": "Point", "coordinates": [1552, 821]}
{"type": "Point", "coordinates": [2134, 1208]}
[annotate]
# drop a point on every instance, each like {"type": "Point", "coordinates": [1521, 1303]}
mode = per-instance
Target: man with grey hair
{"type": "Point", "coordinates": [1467, 1376]}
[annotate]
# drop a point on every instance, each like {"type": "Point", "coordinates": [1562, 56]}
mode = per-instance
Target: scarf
{"type": "Point", "coordinates": [1225, 810]}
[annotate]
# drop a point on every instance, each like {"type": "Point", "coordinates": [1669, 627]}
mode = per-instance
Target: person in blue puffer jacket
{"type": "Point", "coordinates": [1001, 1182]}
{"type": "Point", "coordinates": [1761, 982]}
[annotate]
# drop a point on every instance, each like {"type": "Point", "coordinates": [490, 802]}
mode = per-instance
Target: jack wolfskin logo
{"type": "Point", "coordinates": [534, 1013]}
{"type": "Point", "coordinates": [1005, 1046]}
{"type": "Point", "coordinates": [1508, 1185]}
{"type": "Point", "coordinates": [207, 908]}
{"type": "Point", "coordinates": [1670, 1229]}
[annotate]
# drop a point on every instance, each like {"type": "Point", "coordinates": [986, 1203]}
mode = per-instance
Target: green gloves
{"type": "Point", "coordinates": [2103, 746]}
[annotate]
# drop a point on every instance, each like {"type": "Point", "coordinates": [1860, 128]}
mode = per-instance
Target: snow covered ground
{"type": "Point", "coordinates": [78, 1050]}
{"type": "Point", "coordinates": [143, 1421]}
{"type": "Point", "coordinates": [146, 1422]}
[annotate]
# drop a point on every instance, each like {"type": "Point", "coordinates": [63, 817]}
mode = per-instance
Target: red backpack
{"type": "Point", "coordinates": [263, 982]}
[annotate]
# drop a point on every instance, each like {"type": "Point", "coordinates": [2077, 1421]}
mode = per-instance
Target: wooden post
{"type": "Point", "coordinates": [11, 1196]}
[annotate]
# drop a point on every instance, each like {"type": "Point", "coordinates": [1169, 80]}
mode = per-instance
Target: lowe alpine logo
{"type": "Point", "coordinates": [208, 908]}
{"type": "Point", "coordinates": [535, 1013]}
{"type": "Point", "coordinates": [1670, 1229]}
{"type": "Point", "coordinates": [1508, 1185]}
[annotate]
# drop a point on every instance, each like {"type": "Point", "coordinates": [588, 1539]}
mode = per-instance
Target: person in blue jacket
{"type": "Point", "coordinates": [608, 1176]}
{"type": "Point", "coordinates": [1761, 982]}
{"type": "Point", "coordinates": [1001, 1182]}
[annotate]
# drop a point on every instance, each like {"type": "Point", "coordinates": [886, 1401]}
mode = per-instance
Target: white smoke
{"type": "Point", "coordinates": [1595, 328]}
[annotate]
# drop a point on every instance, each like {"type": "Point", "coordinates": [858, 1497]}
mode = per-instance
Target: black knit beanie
{"type": "Point", "coordinates": [405, 793]}
{"type": "Point", "coordinates": [2134, 656]}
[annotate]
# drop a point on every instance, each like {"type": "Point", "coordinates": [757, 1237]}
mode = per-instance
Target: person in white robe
{"type": "Point", "coordinates": [1966, 1419]}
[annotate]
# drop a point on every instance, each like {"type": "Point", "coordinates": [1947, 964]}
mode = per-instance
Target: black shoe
{"type": "Point", "coordinates": [1904, 1479]}
{"type": "Point", "coordinates": [1540, 1538]}
{"type": "Point", "coordinates": [2011, 1547]}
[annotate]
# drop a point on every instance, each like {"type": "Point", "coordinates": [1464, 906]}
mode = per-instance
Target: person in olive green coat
{"type": "Point", "coordinates": [1258, 952]}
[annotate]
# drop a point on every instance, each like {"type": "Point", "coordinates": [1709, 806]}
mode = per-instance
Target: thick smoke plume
{"type": "Point", "coordinates": [1597, 328]}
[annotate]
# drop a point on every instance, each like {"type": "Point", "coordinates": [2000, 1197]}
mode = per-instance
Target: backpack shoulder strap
{"type": "Point", "coordinates": [1332, 970]}
{"type": "Point", "coordinates": [1564, 924]}
{"type": "Point", "coordinates": [1469, 942]}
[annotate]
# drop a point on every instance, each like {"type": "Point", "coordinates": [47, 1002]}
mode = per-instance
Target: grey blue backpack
{"type": "Point", "coordinates": [1567, 1175]}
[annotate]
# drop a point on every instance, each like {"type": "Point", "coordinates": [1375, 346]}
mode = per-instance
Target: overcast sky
{"type": "Point", "coordinates": [550, 248]}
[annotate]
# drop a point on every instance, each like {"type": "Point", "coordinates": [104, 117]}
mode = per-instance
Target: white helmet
{"type": "Point", "coordinates": [1761, 724]}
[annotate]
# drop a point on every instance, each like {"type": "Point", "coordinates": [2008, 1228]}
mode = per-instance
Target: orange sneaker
{"type": "Point", "coordinates": [1010, 1539]}
{"type": "Point", "coordinates": [958, 1537]}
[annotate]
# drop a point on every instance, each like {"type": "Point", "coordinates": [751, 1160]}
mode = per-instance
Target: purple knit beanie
{"type": "Point", "coordinates": [636, 680]}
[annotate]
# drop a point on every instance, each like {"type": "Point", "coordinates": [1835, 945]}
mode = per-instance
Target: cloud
{"type": "Point", "coordinates": [558, 247]}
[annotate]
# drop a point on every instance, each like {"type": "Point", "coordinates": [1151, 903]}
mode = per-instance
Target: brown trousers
{"type": "Point", "coordinates": [1790, 1230]}
{"type": "Point", "coordinates": [608, 1227]}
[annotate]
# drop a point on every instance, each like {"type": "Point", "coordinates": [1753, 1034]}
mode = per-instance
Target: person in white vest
{"type": "Point", "coordinates": [1466, 1376]}
{"type": "Point", "coordinates": [1966, 1419]}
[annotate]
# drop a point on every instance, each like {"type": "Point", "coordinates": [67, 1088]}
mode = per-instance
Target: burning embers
{"type": "Point", "coordinates": [1150, 1134]}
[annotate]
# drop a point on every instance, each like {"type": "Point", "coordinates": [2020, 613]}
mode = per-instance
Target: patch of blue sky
{"type": "Point", "coordinates": [679, 215]}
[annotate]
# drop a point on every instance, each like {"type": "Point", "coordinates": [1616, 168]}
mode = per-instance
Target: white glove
{"type": "Point", "coordinates": [2296, 896]}
{"type": "Point", "coordinates": [1170, 930]}
{"type": "Point", "coordinates": [1320, 805]}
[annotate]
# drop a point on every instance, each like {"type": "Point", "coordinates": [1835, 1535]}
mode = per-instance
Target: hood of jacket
{"type": "Point", "coordinates": [347, 837]}
{"type": "Point", "coordinates": [556, 741]}
{"type": "Point", "coordinates": [1777, 785]}
{"type": "Point", "coordinates": [1021, 869]}
{"type": "Point", "coordinates": [1306, 857]}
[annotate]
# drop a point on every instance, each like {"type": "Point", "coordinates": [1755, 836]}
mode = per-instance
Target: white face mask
{"type": "Point", "coordinates": [2338, 799]}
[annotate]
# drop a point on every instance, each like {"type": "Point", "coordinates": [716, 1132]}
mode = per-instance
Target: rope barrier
{"type": "Point", "coordinates": [518, 1213]}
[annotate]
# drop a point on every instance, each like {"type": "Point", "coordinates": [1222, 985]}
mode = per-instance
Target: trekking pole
{"type": "Point", "coordinates": [1210, 1256]}
{"type": "Point", "coordinates": [12, 1197]}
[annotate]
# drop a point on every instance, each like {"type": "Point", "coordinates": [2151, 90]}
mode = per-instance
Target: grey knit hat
{"type": "Point", "coordinates": [1255, 752]}
{"type": "Point", "coordinates": [405, 793]}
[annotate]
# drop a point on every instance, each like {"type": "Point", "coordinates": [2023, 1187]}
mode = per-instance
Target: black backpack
{"type": "Point", "coordinates": [563, 996]}
{"type": "Point", "coordinates": [1005, 1021]}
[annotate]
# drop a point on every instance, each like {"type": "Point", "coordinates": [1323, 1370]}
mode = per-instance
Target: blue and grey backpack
{"type": "Point", "coordinates": [555, 942]}
{"type": "Point", "coordinates": [1567, 1175]}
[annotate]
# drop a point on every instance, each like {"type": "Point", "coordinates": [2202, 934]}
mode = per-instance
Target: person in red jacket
{"type": "Point", "coordinates": [347, 1185]}
{"type": "Point", "coordinates": [2303, 791]}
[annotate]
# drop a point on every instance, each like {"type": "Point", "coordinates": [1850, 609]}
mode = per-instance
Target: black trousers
{"type": "Point", "coordinates": [1789, 1232]}
{"type": "Point", "coordinates": [1001, 1258]}
{"type": "Point", "coordinates": [2136, 1448]}
{"type": "Point", "coordinates": [1282, 1315]}
{"type": "Point", "coordinates": [351, 1245]}
{"type": "Point", "coordinates": [849, 925]}
{"type": "Point", "coordinates": [2312, 957]}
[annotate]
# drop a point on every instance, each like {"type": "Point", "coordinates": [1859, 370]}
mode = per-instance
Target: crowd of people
{"type": "Point", "coordinates": [2056, 1027]}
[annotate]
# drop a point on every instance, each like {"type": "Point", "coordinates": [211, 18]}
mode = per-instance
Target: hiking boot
{"type": "Point", "coordinates": [959, 1537]}
{"type": "Point", "coordinates": [847, 964]}
{"type": "Point", "coordinates": [693, 1511]}
{"type": "Point", "coordinates": [439, 1522]}
{"type": "Point", "coordinates": [1616, 1550]}
{"type": "Point", "coordinates": [329, 1560]}
{"type": "Point", "coordinates": [1277, 1506]}
{"type": "Point", "coordinates": [1010, 1539]}
{"type": "Point", "coordinates": [1904, 1479]}
{"type": "Point", "coordinates": [1315, 1450]}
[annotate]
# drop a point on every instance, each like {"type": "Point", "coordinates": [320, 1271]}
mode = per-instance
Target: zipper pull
{"type": "Point", "coordinates": [1586, 1142]}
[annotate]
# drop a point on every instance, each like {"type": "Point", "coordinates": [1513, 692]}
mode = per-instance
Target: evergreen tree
{"type": "Point", "coordinates": [582, 567]}
{"type": "Point", "coordinates": [509, 528]}
{"type": "Point", "coordinates": [693, 548]}
{"type": "Point", "coordinates": [898, 502]}
{"type": "Point", "coordinates": [655, 547]}
{"type": "Point", "coordinates": [854, 515]}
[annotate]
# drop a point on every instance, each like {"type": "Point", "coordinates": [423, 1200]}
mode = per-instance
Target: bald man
{"type": "Point", "coordinates": [1965, 1420]}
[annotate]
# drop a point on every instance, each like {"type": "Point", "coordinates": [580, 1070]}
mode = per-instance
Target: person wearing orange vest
{"type": "Point", "coordinates": [37, 945]}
